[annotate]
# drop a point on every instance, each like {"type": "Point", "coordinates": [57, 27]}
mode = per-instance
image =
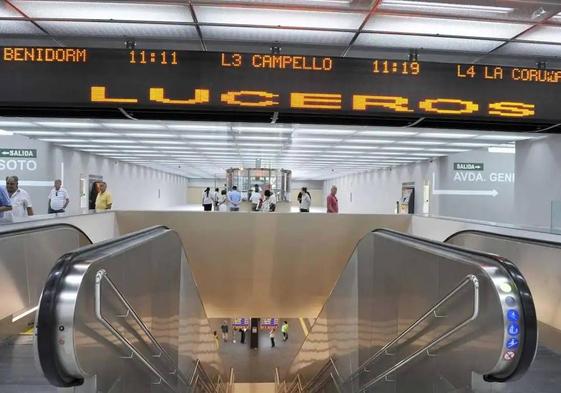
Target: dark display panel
{"type": "Point", "coordinates": [203, 81]}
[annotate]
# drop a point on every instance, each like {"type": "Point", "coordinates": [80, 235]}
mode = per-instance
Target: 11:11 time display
{"type": "Point", "coordinates": [152, 57]}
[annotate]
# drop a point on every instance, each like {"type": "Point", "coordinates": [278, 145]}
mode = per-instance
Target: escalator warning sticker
{"type": "Point", "coordinates": [509, 355]}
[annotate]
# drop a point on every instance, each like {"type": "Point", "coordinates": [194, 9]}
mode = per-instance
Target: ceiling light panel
{"type": "Point", "coordinates": [529, 49]}
{"type": "Point", "coordinates": [286, 36]}
{"type": "Point", "coordinates": [242, 129]}
{"type": "Point", "coordinates": [37, 132]}
{"type": "Point", "coordinates": [12, 123]}
{"type": "Point", "coordinates": [321, 131]}
{"type": "Point", "coordinates": [386, 133]}
{"type": "Point", "coordinates": [279, 17]}
{"type": "Point", "coordinates": [373, 141]}
{"type": "Point", "coordinates": [447, 135]}
{"type": "Point", "coordinates": [425, 42]}
{"type": "Point", "coordinates": [110, 11]}
{"type": "Point", "coordinates": [112, 30]}
{"type": "Point", "coordinates": [452, 7]}
{"type": "Point", "coordinates": [543, 34]}
{"type": "Point", "coordinates": [92, 133]}
{"type": "Point", "coordinates": [19, 27]}
{"type": "Point", "coordinates": [498, 137]}
{"type": "Point", "coordinates": [134, 126]}
{"type": "Point", "coordinates": [442, 26]}
{"type": "Point", "coordinates": [150, 135]}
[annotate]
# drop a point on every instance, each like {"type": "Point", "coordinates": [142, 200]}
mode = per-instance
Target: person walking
{"type": "Point", "coordinates": [224, 329]}
{"type": "Point", "coordinates": [234, 199]}
{"type": "Point", "coordinates": [58, 198]}
{"type": "Point", "coordinates": [255, 198]}
{"type": "Point", "coordinates": [207, 200]}
{"type": "Point", "coordinates": [332, 201]}
{"type": "Point", "coordinates": [306, 201]}
{"type": "Point", "coordinates": [104, 199]}
{"type": "Point", "coordinates": [272, 337]}
{"type": "Point", "coordinates": [284, 330]}
{"type": "Point", "coordinates": [19, 198]}
{"type": "Point", "coordinates": [272, 202]}
{"type": "Point", "coordinates": [223, 202]}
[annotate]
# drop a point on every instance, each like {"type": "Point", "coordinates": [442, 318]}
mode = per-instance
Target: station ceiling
{"type": "Point", "coordinates": [207, 149]}
{"type": "Point", "coordinates": [505, 32]}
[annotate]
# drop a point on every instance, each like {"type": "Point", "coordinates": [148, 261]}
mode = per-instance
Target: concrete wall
{"type": "Point", "coordinates": [132, 186]}
{"type": "Point", "coordinates": [538, 184]}
{"type": "Point", "coordinates": [454, 193]}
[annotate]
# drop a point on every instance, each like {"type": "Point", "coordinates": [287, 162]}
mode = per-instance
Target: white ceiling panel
{"type": "Point", "coordinates": [424, 42]}
{"type": "Point", "coordinates": [270, 35]}
{"type": "Point", "coordinates": [525, 49]}
{"type": "Point", "coordinates": [18, 27]}
{"type": "Point", "coordinates": [110, 29]}
{"type": "Point", "coordinates": [279, 17]}
{"type": "Point", "coordinates": [106, 10]}
{"type": "Point", "coordinates": [454, 27]}
{"type": "Point", "coordinates": [543, 34]}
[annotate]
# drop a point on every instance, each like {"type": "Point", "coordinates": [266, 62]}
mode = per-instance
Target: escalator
{"type": "Point", "coordinates": [406, 315]}
{"type": "Point", "coordinates": [412, 315]}
{"type": "Point", "coordinates": [26, 258]}
{"type": "Point", "coordinates": [540, 263]}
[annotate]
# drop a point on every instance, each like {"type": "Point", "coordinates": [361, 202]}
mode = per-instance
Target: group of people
{"type": "Point", "coordinates": [224, 328]}
{"type": "Point", "coordinates": [16, 202]}
{"type": "Point", "coordinates": [263, 201]}
{"type": "Point", "coordinates": [222, 201]}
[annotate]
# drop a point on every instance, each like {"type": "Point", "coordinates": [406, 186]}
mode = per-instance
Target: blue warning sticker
{"type": "Point", "coordinates": [512, 315]}
{"type": "Point", "coordinates": [512, 343]}
{"type": "Point", "coordinates": [514, 329]}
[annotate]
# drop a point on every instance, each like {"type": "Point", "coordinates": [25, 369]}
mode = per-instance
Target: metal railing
{"type": "Point", "coordinates": [101, 276]}
{"type": "Point", "coordinates": [200, 379]}
{"type": "Point", "coordinates": [327, 374]}
{"type": "Point", "coordinates": [469, 279]}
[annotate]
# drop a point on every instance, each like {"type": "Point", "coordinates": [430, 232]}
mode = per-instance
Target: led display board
{"type": "Point", "coordinates": [214, 81]}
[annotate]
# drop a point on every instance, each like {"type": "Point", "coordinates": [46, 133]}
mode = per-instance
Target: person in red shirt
{"type": "Point", "coordinates": [332, 202]}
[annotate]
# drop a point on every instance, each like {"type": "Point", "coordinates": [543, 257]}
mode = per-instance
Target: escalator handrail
{"type": "Point", "coordinates": [527, 303]}
{"type": "Point", "coordinates": [28, 230]}
{"type": "Point", "coordinates": [46, 335]}
{"type": "Point", "coordinates": [529, 347]}
{"type": "Point", "coordinates": [519, 239]}
{"type": "Point", "coordinates": [530, 339]}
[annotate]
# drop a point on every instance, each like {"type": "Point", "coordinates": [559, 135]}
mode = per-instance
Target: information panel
{"type": "Point", "coordinates": [204, 81]}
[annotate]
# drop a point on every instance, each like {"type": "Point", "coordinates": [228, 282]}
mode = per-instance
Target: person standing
{"type": "Point", "coordinates": [216, 340]}
{"type": "Point", "coordinates": [223, 202]}
{"type": "Point", "coordinates": [273, 202]}
{"type": "Point", "coordinates": [284, 330]}
{"type": "Point", "coordinates": [255, 199]}
{"type": "Point", "coordinates": [207, 200]}
{"type": "Point", "coordinates": [104, 199]}
{"type": "Point", "coordinates": [272, 337]}
{"type": "Point", "coordinates": [242, 332]}
{"type": "Point", "coordinates": [224, 329]}
{"type": "Point", "coordinates": [5, 203]}
{"type": "Point", "coordinates": [216, 199]}
{"type": "Point", "coordinates": [332, 201]}
{"type": "Point", "coordinates": [19, 198]}
{"type": "Point", "coordinates": [306, 201]}
{"type": "Point", "coordinates": [58, 198]}
{"type": "Point", "coordinates": [266, 203]}
{"type": "Point", "coordinates": [234, 199]}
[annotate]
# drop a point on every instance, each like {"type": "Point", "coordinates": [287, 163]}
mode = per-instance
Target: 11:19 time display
{"type": "Point", "coordinates": [396, 67]}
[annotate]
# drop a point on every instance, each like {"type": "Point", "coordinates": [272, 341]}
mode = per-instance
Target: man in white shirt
{"type": "Point", "coordinates": [58, 198]}
{"type": "Point", "coordinates": [20, 199]}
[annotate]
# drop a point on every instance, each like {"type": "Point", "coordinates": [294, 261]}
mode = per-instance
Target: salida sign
{"type": "Point", "coordinates": [13, 159]}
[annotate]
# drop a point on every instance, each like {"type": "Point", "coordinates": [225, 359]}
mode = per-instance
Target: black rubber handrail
{"type": "Point", "coordinates": [527, 303]}
{"type": "Point", "coordinates": [19, 231]}
{"type": "Point", "coordinates": [46, 332]}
